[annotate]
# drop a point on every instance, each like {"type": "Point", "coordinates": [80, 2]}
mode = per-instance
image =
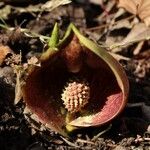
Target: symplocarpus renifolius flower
{"type": "Point", "coordinates": [78, 84]}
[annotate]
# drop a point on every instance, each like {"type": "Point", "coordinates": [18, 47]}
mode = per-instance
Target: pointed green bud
{"type": "Point", "coordinates": [54, 39]}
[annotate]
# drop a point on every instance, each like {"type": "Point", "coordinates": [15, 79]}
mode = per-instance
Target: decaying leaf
{"type": "Point", "coordinates": [130, 5]}
{"type": "Point", "coordinates": [139, 32]}
{"type": "Point", "coordinates": [4, 50]}
{"type": "Point", "coordinates": [50, 5]}
{"type": "Point", "coordinates": [137, 7]}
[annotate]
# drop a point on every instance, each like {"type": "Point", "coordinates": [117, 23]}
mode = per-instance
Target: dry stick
{"type": "Point", "coordinates": [147, 139]}
{"type": "Point", "coordinates": [138, 48]}
{"type": "Point", "coordinates": [70, 143]}
{"type": "Point", "coordinates": [33, 34]}
{"type": "Point", "coordinates": [85, 141]}
{"type": "Point", "coordinates": [106, 25]}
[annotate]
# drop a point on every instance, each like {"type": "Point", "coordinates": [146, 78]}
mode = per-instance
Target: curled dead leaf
{"type": "Point", "coordinates": [137, 7]}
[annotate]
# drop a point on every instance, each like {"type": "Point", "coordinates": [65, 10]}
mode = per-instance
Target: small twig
{"type": "Point", "coordinates": [147, 139]}
{"type": "Point", "coordinates": [138, 48]}
{"type": "Point", "coordinates": [84, 141]}
{"type": "Point", "coordinates": [106, 25]}
{"type": "Point", "coordinates": [141, 139]}
{"type": "Point", "coordinates": [33, 34]}
{"type": "Point", "coordinates": [70, 143]}
{"type": "Point", "coordinates": [106, 9]}
{"type": "Point", "coordinates": [101, 133]}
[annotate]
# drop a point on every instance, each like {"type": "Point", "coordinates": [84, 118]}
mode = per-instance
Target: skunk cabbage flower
{"type": "Point", "coordinates": [77, 85]}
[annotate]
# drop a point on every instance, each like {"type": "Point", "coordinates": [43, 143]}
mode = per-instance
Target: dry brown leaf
{"type": "Point", "coordinates": [50, 5]}
{"type": "Point", "coordinates": [137, 7]}
{"type": "Point", "coordinates": [4, 50]}
{"type": "Point", "coordinates": [139, 32]}
{"type": "Point", "coordinates": [129, 5]}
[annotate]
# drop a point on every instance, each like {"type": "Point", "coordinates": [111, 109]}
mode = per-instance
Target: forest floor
{"type": "Point", "coordinates": [24, 27]}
